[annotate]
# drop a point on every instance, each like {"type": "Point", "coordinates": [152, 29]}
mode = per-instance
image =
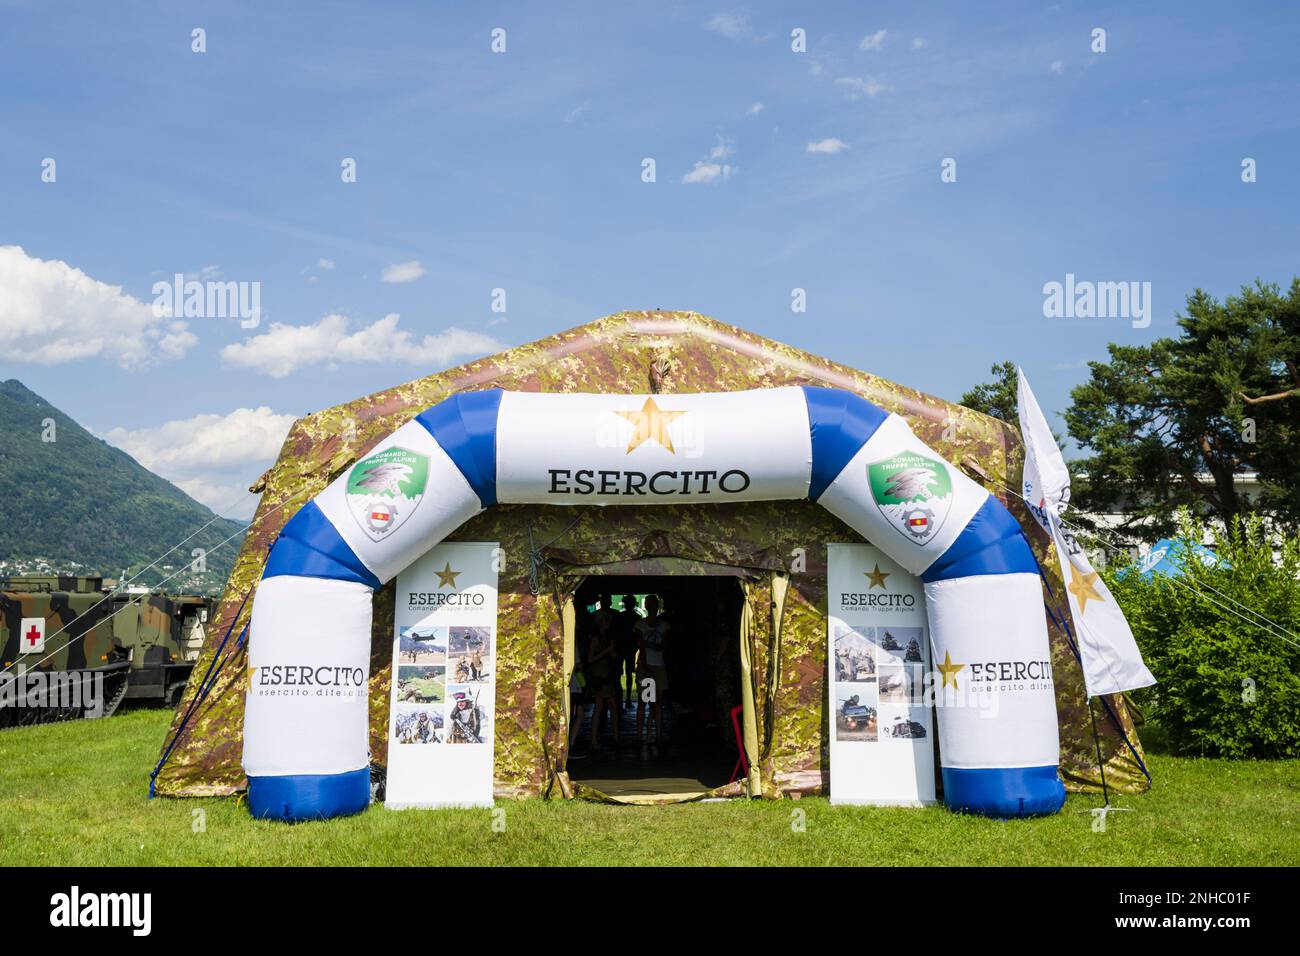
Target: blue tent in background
{"type": "Point", "coordinates": [1169, 556]}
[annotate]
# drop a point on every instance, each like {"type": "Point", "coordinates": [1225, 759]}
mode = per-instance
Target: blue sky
{"type": "Point", "coordinates": [521, 170]}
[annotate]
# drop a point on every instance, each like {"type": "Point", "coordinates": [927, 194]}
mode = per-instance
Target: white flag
{"type": "Point", "coordinates": [1046, 481]}
{"type": "Point", "coordinates": [1110, 657]}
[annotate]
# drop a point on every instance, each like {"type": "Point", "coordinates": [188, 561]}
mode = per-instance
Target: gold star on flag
{"type": "Point", "coordinates": [650, 424]}
{"type": "Point", "coordinates": [1081, 586]}
{"type": "Point", "coordinates": [949, 670]}
{"type": "Point", "coordinates": [877, 577]}
{"type": "Point", "coordinates": [447, 576]}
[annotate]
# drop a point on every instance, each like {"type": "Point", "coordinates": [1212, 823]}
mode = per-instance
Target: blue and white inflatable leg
{"type": "Point", "coordinates": [306, 726]}
{"type": "Point", "coordinates": [998, 743]}
{"type": "Point", "coordinates": [996, 703]}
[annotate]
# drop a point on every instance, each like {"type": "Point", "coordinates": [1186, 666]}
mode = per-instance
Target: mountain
{"type": "Point", "coordinates": [73, 502]}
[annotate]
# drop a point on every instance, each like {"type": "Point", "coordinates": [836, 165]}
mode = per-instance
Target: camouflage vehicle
{"type": "Point", "coordinates": [131, 643]}
{"type": "Point", "coordinates": [854, 715]}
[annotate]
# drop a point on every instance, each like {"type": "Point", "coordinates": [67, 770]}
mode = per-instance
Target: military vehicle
{"type": "Point", "coordinates": [854, 715]}
{"type": "Point", "coordinates": [906, 728]}
{"type": "Point", "coordinates": [890, 685]}
{"type": "Point", "coordinates": [69, 647]}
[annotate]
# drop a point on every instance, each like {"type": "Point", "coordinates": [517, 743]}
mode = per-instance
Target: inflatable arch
{"type": "Point", "coordinates": [306, 756]}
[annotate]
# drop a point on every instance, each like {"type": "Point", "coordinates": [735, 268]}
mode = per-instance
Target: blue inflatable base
{"type": "Point", "coordinates": [1006, 794]}
{"type": "Point", "coordinates": [309, 796]}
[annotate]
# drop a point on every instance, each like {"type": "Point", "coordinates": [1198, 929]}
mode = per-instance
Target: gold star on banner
{"type": "Point", "coordinates": [949, 670]}
{"type": "Point", "coordinates": [1081, 586]}
{"type": "Point", "coordinates": [650, 424]}
{"type": "Point", "coordinates": [447, 576]}
{"type": "Point", "coordinates": [877, 577]}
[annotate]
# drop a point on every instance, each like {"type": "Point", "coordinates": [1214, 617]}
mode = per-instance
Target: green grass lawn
{"type": "Point", "coordinates": [75, 794]}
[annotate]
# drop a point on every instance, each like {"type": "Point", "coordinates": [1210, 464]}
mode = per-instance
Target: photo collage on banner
{"type": "Point", "coordinates": [882, 732]}
{"type": "Point", "coordinates": [444, 679]}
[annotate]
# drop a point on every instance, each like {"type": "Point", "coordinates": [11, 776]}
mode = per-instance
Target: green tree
{"type": "Point", "coordinates": [996, 398]}
{"type": "Point", "coordinates": [1227, 674]}
{"type": "Point", "coordinates": [1177, 422]}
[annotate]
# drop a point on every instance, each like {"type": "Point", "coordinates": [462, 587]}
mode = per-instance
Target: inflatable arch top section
{"type": "Point", "coordinates": [305, 754]}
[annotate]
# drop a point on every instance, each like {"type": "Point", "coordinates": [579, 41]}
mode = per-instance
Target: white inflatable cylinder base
{"type": "Point", "coordinates": [305, 714]}
{"type": "Point", "coordinates": [998, 738]}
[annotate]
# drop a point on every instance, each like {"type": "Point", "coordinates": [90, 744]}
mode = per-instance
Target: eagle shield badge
{"type": "Point", "coordinates": [384, 489]}
{"type": "Point", "coordinates": [913, 492]}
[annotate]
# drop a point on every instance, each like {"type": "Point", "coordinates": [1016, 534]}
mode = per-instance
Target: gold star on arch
{"type": "Point", "coordinates": [877, 577]}
{"type": "Point", "coordinates": [447, 577]}
{"type": "Point", "coordinates": [949, 670]}
{"type": "Point", "coordinates": [650, 423]}
{"type": "Point", "coordinates": [1081, 586]}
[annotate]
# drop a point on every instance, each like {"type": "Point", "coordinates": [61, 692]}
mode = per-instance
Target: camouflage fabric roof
{"type": "Point", "coordinates": [630, 352]}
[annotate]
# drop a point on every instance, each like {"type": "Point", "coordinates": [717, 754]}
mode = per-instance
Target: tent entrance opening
{"type": "Point", "coordinates": [657, 673]}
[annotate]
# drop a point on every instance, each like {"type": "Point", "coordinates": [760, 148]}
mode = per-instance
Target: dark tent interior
{"type": "Point", "coordinates": [696, 747]}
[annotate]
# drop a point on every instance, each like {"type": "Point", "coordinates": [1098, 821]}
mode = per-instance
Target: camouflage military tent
{"type": "Point", "coordinates": [549, 551]}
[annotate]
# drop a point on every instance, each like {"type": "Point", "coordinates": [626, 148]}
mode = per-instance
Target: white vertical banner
{"type": "Point", "coordinates": [440, 726]}
{"type": "Point", "coordinates": [878, 653]}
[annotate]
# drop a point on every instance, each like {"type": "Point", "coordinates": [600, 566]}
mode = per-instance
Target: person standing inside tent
{"type": "Point", "coordinates": [602, 671]}
{"type": "Point", "coordinates": [625, 641]}
{"type": "Point", "coordinates": [652, 635]}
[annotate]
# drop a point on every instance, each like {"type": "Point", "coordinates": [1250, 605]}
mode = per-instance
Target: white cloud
{"type": "Point", "coordinates": [325, 264]}
{"type": "Point", "coordinates": [284, 349]}
{"type": "Point", "coordinates": [918, 43]}
{"type": "Point", "coordinates": [874, 41]}
{"type": "Point", "coordinates": [722, 150]}
{"type": "Point", "coordinates": [830, 146]}
{"type": "Point", "coordinates": [402, 272]}
{"type": "Point", "coordinates": [204, 274]}
{"type": "Point", "coordinates": [733, 26]}
{"type": "Point", "coordinates": [1065, 366]}
{"type": "Point", "coordinates": [1057, 67]}
{"type": "Point", "coordinates": [212, 458]}
{"type": "Point", "coordinates": [708, 173]}
{"type": "Point", "coordinates": [860, 86]}
{"type": "Point", "coordinates": [51, 313]}
{"type": "Point", "coordinates": [755, 109]}
{"type": "Point", "coordinates": [713, 169]}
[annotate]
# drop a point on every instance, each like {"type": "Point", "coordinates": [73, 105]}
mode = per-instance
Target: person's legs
{"type": "Point", "coordinates": [642, 716]}
{"type": "Point", "coordinates": [661, 700]}
{"type": "Point", "coordinates": [629, 666]}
